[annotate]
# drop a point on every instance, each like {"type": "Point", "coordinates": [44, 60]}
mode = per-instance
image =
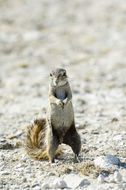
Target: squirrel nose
{"type": "Point", "coordinates": [55, 82]}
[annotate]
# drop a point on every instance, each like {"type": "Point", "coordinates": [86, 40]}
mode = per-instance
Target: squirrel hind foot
{"type": "Point", "coordinates": [76, 159]}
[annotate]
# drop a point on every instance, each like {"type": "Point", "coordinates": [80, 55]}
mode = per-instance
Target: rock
{"type": "Point", "coordinates": [45, 185]}
{"type": "Point", "coordinates": [114, 119]}
{"type": "Point", "coordinates": [122, 186]}
{"type": "Point", "coordinates": [17, 144]}
{"type": "Point", "coordinates": [113, 159]}
{"type": "Point", "coordinates": [76, 181]}
{"type": "Point", "coordinates": [111, 179]}
{"type": "Point", "coordinates": [36, 187]}
{"type": "Point", "coordinates": [1, 186]}
{"type": "Point", "coordinates": [8, 38]}
{"type": "Point", "coordinates": [5, 173]}
{"type": "Point", "coordinates": [51, 174]}
{"type": "Point", "coordinates": [24, 179]}
{"type": "Point", "coordinates": [35, 183]}
{"type": "Point", "coordinates": [31, 45]}
{"type": "Point", "coordinates": [119, 138]}
{"type": "Point", "coordinates": [23, 158]}
{"type": "Point", "coordinates": [100, 179]}
{"type": "Point", "coordinates": [2, 164]}
{"type": "Point", "coordinates": [117, 176]}
{"type": "Point", "coordinates": [58, 183]}
{"type": "Point", "coordinates": [107, 162]}
{"type": "Point", "coordinates": [32, 35]}
{"type": "Point", "coordinates": [6, 146]}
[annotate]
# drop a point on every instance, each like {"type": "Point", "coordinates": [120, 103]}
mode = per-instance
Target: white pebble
{"type": "Point", "coordinates": [45, 185]}
{"type": "Point", "coordinates": [117, 176]}
{"type": "Point", "coordinates": [107, 162]}
{"type": "Point", "coordinates": [75, 181]}
{"type": "Point", "coordinates": [100, 179]}
{"type": "Point", "coordinates": [58, 183]}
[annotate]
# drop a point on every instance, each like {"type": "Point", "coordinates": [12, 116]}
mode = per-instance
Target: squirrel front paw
{"type": "Point", "coordinates": [59, 103]}
{"type": "Point", "coordinates": [65, 101]}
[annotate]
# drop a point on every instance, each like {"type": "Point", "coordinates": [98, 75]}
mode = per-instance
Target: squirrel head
{"type": "Point", "coordinates": [58, 77]}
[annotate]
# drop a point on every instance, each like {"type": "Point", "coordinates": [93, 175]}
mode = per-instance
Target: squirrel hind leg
{"type": "Point", "coordinates": [72, 138]}
{"type": "Point", "coordinates": [52, 146]}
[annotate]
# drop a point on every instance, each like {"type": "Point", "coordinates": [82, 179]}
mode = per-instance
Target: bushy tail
{"type": "Point", "coordinates": [35, 140]}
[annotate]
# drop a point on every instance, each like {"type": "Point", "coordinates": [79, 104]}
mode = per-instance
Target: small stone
{"type": "Point", "coordinates": [1, 163]}
{"type": "Point", "coordinates": [111, 179]}
{"type": "Point", "coordinates": [113, 159]}
{"type": "Point", "coordinates": [23, 158]}
{"type": "Point", "coordinates": [51, 174]}
{"type": "Point", "coordinates": [4, 173]}
{"type": "Point", "coordinates": [45, 185]}
{"type": "Point", "coordinates": [24, 180]}
{"type": "Point", "coordinates": [59, 183]}
{"type": "Point", "coordinates": [118, 138]}
{"type": "Point", "coordinates": [36, 187]}
{"type": "Point", "coordinates": [117, 176]}
{"type": "Point", "coordinates": [122, 186]}
{"type": "Point", "coordinates": [17, 144]}
{"type": "Point", "coordinates": [76, 181]}
{"type": "Point", "coordinates": [84, 183]}
{"type": "Point", "coordinates": [6, 146]}
{"type": "Point", "coordinates": [100, 179]}
{"type": "Point", "coordinates": [107, 162]}
{"type": "Point", "coordinates": [124, 165]}
{"type": "Point", "coordinates": [22, 64]}
{"type": "Point", "coordinates": [32, 35]}
{"type": "Point", "coordinates": [114, 119]}
{"type": "Point", "coordinates": [1, 186]}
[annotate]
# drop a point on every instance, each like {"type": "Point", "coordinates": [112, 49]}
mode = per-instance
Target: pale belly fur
{"type": "Point", "coordinates": [62, 118]}
{"type": "Point", "coordinates": [60, 93]}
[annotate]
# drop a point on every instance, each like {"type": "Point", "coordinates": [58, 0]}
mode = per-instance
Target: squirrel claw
{"type": "Point", "coordinates": [52, 161]}
{"type": "Point", "coordinates": [76, 159]}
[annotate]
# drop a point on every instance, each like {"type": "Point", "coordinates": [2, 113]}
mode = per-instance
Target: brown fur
{"type": "Point", "coordinates": [35, 140]}
{"type": "Point", "coordinates": [45, 135]}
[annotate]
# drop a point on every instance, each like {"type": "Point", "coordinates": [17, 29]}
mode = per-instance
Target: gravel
{"type": "Point", "coordinates": [88, 39]}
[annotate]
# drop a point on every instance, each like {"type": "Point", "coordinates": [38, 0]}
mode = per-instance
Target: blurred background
{"type": "Point", "coordinates": [86, 37]}
{"type": "Point", "coordinates": [62, 32]}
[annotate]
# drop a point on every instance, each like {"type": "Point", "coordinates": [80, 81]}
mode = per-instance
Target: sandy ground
{"type": "Point", "coordinates": [88, 39]}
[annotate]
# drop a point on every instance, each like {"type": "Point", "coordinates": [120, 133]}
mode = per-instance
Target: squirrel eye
{"type": "Point", "coordinates": [64, 74]}
{"type": "Point", "coordinates": [50, 74]}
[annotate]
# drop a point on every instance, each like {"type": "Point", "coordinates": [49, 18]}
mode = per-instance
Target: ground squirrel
{"type": "Point", "coordinates": [44, 136]}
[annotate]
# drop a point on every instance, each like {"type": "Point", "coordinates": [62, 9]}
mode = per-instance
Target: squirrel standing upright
{"type": "Point", "coordinates": [44, 135]}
